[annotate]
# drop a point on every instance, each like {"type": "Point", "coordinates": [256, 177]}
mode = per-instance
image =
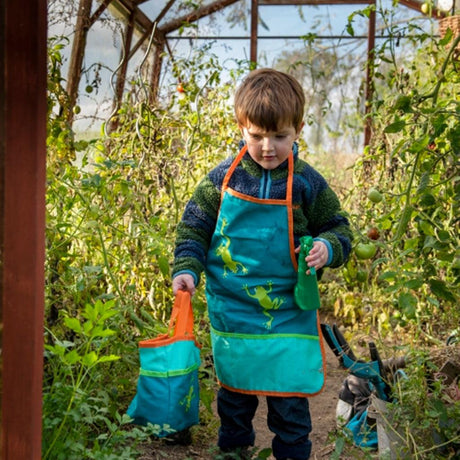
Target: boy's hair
{"type": "Point", "coordinates": [270, 100]}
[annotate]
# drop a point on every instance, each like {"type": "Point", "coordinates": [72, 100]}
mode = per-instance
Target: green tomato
{"type": "Point", "coordinates": [365, 250]}
{"type": "Point", "coordinates": [361, 276]}
{"type": "Point", "coordinates": [374, 195]}
{"type": "Point", "coordinates": [89, 89]}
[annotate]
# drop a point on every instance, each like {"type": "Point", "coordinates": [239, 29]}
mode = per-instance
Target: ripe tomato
{"type": "Point", "coordinates": [180, 88]}
{"type": "Point", "coordinates": [373, 233]}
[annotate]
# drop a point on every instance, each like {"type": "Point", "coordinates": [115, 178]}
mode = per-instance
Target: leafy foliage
{"type": "Point", "coordinates": [413, 163]}
{"type": "Point", "coordinates": [112, 207]}
{"type": "Point", "coordinates": [424, 417]}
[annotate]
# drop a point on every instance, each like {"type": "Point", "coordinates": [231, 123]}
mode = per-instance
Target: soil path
{"type": "Point", "coordinates": [322, 408]}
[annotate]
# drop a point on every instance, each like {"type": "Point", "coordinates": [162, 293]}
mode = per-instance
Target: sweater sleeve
{"type": "Point", "coordinates": [194, 231]}
{"type": "Point", "coordinates": [327, 221]}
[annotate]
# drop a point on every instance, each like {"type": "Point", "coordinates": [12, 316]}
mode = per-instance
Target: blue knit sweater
{"type": "Point", "coordinates": [316, 210]}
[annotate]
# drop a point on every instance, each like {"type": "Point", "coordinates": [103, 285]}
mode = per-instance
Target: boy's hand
{"type": "Point", "coordinates": [184, 282]}
{"type": "Point", "coordinates": [318, 255]}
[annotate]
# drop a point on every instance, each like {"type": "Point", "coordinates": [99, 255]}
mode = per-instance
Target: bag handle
{"type": "Point", "coordinates": [182, 315]}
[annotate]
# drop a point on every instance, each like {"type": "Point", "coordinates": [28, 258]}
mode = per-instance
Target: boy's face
{"type": "Point", "coordinates": [269, 148]}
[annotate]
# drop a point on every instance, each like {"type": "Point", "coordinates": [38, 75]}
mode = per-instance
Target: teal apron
{"type": "Point", "coordinates": [262, 342]}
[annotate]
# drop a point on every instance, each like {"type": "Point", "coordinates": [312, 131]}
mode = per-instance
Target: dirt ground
{"type": "Point", "coordinates": [322, 408]}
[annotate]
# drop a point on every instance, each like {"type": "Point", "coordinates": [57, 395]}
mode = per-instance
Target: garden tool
{"type": "Point", "coordinates": [375, 371]}
{"type": "Point", "coordinates": [306, 292]}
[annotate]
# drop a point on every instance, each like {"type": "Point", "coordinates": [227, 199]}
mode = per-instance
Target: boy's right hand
{"type": "Point", "coordinates": [184, 282]}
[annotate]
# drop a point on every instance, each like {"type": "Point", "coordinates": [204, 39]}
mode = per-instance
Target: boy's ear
{"type": "Point", "coordinates": [300, 129]}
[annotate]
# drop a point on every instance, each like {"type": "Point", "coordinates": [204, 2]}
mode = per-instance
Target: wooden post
{"type": "Point", "coordinates": [23, 111]}
{"type": "Point", "coordinates": [369, 77]}
{"type": "Point", "coordinates": [121, 74]}
{"type": "Point", "coordinates": [157, 64]}
{"type": "Point", "coordinates": [78, 51]}
{"type": "Point", "coordinates": [254, 31]}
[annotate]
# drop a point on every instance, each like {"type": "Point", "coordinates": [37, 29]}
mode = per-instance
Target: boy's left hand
{"type": "Point", "coordinates": [318, 255]}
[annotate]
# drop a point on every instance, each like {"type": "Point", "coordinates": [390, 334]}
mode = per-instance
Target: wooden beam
{"type": "Point", "coordinates": [417, 6]}
{"type": "Point", "coordinates": [121, 74]}
{"type": "Point", "coordinates": [313, 2]}
{"type": "Point", "coordinates": [142, 39]}
{"type": "Point", "coordinates": [97, 14]}
{"type": "Point", "coordinates": [369, 77]}
{"type": "Point", "coordinates": [413, 4]}
{"type": "Point", "coordinates": [78, 52]}
{"type": "Point", "coordinates": [23, 112]}
{"type": "Point", "coordinates": [254, 31]}
{"type": "Point", "coordinates": [195, 15]}
{"type": "Point", "coordinates": [165, 10]}
{"type": "Point", "coordinates": [157, 65]}
{"type": "Point", "coordinates": [128, 7]}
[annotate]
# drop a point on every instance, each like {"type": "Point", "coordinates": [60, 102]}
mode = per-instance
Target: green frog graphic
{"type": "Point", "coordinates": [223, 251]}
{"type": "Point", "coordinates": [187, 401]}
{"type": "Point", "coordinates": [265, 301]}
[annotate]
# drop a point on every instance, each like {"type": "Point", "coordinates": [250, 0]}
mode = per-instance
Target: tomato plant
{"type": "Point", "coordinates": [411, 162]}
{"type": "Point", "coordinates": [112, 206]}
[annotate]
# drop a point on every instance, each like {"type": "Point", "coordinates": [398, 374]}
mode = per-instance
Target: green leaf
{"type": "Point", "coordinates": [415, 283]}
{"type": "Point", "coordinates": [80, 145]}
{"type": "Point", "coordinates": [264, 454]}
{"type": "Point", "coordinates": [454, 138]}
{"type": "Point", "coordinates": [395, 127]}
{"type": "Point", "coordinates": [426, 227]}
{"type": "Point", "coordinates": [443, 236]}
{"type": "Point", "coordinates": [72, 357]}
{"type": "Point", "coordinates": [108, 358]}
{"type": "Point", "coordinates": [99, 331]}
{"type": "Point", "coordinates": [440, 289]}
{"type": "Point", "coordinates": [447, 37]}
{"type": "Point", "coordinates": [430, 242]}
{"type": "Point", "coordinates": [163, 263]}
{"type": "Point", "coordinates": [339, 446]}
{"type": "Point", "coordinates": [427, 200]}
{"type": "Point", "coordinates": [90, 312]}
{"type": "Point", "coordinates": [404, 221]}
{"type": "Point", "coordinates": [350, 29]}
{"type": "Point", "coordinates": [419, 144]}
{"type": "Point", "coordinates": [403, 103]}
{"type": "Point", "coordinates": [89, 359]}
{"type": "Point", "coordinates": [73, 324]}
{"type": "Point", "coordinates": [87, 327]}
{"type": "Point", "coordinates": [408, 303]}
{"type": "Point", "coordinates": [424, 182]}
{"type": "Point", "coordinates": [390, 275]}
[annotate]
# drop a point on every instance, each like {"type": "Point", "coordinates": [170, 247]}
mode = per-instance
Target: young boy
{"type": "Point", "coordinates": [242, 228]}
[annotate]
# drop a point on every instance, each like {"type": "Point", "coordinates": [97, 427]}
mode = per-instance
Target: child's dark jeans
{"type": "Point", "coordinates": [288, 418]}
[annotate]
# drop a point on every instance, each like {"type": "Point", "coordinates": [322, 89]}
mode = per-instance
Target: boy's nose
{"type": "Point", "coordinates": [267, 143]}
